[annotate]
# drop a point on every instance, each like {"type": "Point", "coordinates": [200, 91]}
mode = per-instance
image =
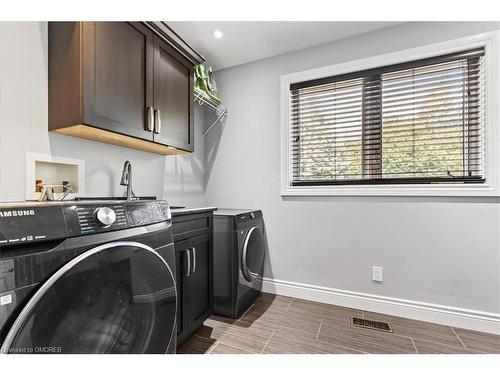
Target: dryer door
{"type": "Point", "coordinates": [116, 298]}
{"type": "Point", "coordinates": [252, 257]}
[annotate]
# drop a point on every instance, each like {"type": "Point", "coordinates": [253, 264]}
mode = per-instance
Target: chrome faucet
{"type": "Point", "coordinates": [127, 179]}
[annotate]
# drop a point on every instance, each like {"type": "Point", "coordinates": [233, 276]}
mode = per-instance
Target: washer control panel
{"type": "Point", "coordinates": [87, 219]}
{"type": "Point", "coordinates": [32, 222]}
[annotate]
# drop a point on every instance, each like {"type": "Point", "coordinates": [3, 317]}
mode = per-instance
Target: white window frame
{"type": "Point", "coordinates": [491, 187]}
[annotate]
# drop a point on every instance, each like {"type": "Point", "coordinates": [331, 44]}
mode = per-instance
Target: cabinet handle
{"type": "Point", "coordinates": [157, 121]}
{"type": "Point", "coordinates": [193, 251]}
{"type": "Point", "coordinates": [149, 119]}
{"type": "Point", "coordinates": [188, 261]}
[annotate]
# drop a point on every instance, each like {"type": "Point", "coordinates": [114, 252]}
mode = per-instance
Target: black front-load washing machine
{"type": "Point", "coordinates": [87, 277]}
{"type": "Point", "coordinates": [239, 251]}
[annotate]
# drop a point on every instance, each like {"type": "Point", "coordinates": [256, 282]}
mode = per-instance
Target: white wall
{"type": "Point", "coordinates": [23, 128]}
{"type": "Point", "coordinates": [23, 104]}
{"type": "Point", "coordinates": [435, 250]}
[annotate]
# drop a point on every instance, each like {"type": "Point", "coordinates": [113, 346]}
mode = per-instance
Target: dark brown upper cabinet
{"type": "Point", "coordinates": [125, 83]}
{"type": "Point", "coordinates": [173, 98]}
{"type": "Point", "coordinates": [119, 77]}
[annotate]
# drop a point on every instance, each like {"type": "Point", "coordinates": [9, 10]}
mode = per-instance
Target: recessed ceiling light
{"type": "Point", "coordinates": [218, 34]}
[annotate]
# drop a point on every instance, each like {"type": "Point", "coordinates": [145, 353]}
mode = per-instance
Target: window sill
{"type": "Point", "coordinates": [441, 190]}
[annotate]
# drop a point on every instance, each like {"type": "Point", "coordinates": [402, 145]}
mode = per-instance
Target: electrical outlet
{"type": "Point", "coordinates": [377, 274]}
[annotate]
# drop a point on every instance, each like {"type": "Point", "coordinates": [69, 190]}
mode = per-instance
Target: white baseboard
{"type": "Point", "coordinates": [440, 314]}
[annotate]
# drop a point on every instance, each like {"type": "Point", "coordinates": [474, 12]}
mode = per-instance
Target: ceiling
{"type": "Point", "coordinates": [244, 42]}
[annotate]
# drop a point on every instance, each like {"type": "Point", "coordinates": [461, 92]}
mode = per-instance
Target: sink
{"type": "Point", "coordinates": [145, 198]}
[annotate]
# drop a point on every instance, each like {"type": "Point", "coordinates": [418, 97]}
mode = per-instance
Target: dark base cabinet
{"type": "Point", "coordinates": [194, 270]}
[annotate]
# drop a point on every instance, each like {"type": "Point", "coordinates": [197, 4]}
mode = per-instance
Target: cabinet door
{"type": "Point", "coordinates": [173, 98]}
{"type": "Point", "coordinates": [198, 286]}
{"type": "Point", "coordinates": [194, 283]}
{"type": "Point", "coordinates": [118, 58]}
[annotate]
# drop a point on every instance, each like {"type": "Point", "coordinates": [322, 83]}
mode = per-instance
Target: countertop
{"type": "Point", "coordinates": [191, 210]}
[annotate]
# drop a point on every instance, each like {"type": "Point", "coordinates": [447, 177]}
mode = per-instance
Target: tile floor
{"type": "Point", "coordinates": [278, 324]}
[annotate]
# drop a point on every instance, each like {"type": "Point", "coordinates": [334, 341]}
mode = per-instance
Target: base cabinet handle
{"type": "Point", "coordinates": [188, 262]}
{"type": "Point", "coordinates": [193, 252]}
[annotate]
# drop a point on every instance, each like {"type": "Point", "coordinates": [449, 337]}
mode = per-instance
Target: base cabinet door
{"type": "Point", "coordinates": [197, 284]}
{"type": "Point", "coordinates": [194, 283]}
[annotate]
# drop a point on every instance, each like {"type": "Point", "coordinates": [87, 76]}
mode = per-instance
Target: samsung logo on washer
{"type": "Point", "coordinates": [17, 213]}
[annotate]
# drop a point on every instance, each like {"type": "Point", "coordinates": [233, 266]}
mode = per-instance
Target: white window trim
{"type": "Point", "coordinates": [490, 41]}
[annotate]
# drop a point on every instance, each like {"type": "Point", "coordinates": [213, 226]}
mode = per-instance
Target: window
{"type": "Point", "coordinates": [418, 122]}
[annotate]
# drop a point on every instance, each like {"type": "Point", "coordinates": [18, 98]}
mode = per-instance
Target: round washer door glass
{"type": "Point", "coordinates": [115, 298]}
{"type": "Point", "coordinates": [253, 254]}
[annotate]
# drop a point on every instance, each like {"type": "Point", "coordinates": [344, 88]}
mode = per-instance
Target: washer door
{"type": "Point", "coordinates": [116, 298]}
{"type": "Point", "coordinates": [252, 258]}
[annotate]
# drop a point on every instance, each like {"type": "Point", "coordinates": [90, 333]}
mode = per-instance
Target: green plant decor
{"type": "Point", "coordinates": [205, 84]}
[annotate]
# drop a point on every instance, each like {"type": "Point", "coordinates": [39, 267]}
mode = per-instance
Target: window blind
{"type": "Point", "coordinates": [415, 122]}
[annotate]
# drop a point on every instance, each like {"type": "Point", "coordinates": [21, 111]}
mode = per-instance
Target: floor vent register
{"type": "Point", "coordinates": [371, 324]}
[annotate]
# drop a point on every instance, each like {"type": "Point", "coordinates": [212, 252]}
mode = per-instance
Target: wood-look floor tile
{"type": "Point", "coordinates": [292, 323]}
{"type": "Point", "coordinates": [268, 299]}
{"type": "Point", "coordinates": [221, 348]}
{"type": "Point", "coordinates": [229, 321]}
{"type": "Point", "coordinates": [277, 324]}
{"type": "Point", "coordinates": [281, 343]}
{"type": "Point", "coordinates": [322, 310]}
{"type": "Point", "coordinates": [196, 345]}
{"type": "Point", "coordinates": [340, 332]}
{"type": "Point", "coordinates": [336, 349]}
{"type": "Point", "coordinates": [480, 341]}
{"type": "Point", "coordinates": [258, 308]}
{"type": "Point", "coordinates": [429, 347]}
{"type": "Point", "coordinates": [418, 329]}
{"type": "Point", "coordinates": [277, 304]}
{"type": "Point", "coordinates": [276, 346]}
{"type": "Point", "coordinates": [249, 339]}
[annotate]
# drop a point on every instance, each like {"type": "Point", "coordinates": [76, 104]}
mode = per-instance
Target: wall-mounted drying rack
{"type": "Point", "coordinates": [220, 110]}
